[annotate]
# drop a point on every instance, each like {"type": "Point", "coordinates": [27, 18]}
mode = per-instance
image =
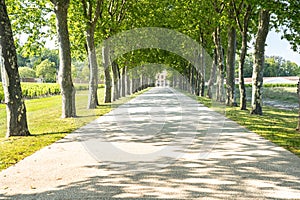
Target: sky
{"type": "Point", "coordinates": [277, 47]}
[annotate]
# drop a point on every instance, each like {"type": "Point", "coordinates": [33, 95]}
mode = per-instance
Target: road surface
{"type": "Point", "coordinates": [161, 145]}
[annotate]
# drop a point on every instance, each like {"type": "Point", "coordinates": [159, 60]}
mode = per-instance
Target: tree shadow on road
{"type": "Point", "coordinates": [237, 168]}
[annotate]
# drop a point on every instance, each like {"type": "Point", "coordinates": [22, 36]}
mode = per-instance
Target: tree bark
{"type": "Point", "coordinates": [230, 65]}
{"type": "Point", "coordinates": [91, 21]}
{"type": "Point", "coordinates": [128, 85]}
{"type": "Point", "coordinates": [202, 76]}
{"type": "Point", "coordinates": [243, 27]}
{"type": "Point", "coordinates": [242, 88]}
{"type": "Point", "coordinates": [105, 60]}
{"type": "Point", "coordinates": [123, 82]}
{"type": "Point", "coordinates": [192, 80]}
{"type": "Point", "coordinates": [258, 68]}
{"type": "Point", "coordinates": [212, 76]}
{"type": "Point", "coordinates": [115, 67]}
{"type": "Point", "coordinates": [64, 75]}
{"type": "Point", "coordinates": [93, 80]}
{"type": "Point", "coordinates": [174, 84]}
{"type": "Point", "coordinates": [197, 83]}
{"type": "Point", "coordinates": [132, 85]}
{"type": "Point", "coordinates": [15, 106]}
{"type": "Point", "coordinates": [220, 93]}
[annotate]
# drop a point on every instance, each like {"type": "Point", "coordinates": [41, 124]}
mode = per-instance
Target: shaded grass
{"type": "Point", "coordinates": [282, 94]}
{"type": "Point", "coordinates": [46, 126]}
{"type": "Point", "coordinates": [276, 125]}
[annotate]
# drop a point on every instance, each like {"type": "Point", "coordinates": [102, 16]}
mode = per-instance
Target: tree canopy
{"type": "Point", "coordinates": [223, 28]}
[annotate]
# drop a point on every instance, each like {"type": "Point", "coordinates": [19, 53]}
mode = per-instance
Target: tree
{"type": "Point", "coordinates": [114, 16]}
{"type": "Point", "coordinates": [212, 75]}
{"type": "Point", "coordinates": [26, 72]}
{"type": "Point", "coordinates": [46, 70]}
{"type": "Point", "coordinates": [288, 17]}
{"type": "Point", "coordinates": [91, 19]}
{"type": "Point", "coordinates": [243, 13]}
{"type": "Point", "coordinates": [30, 18]}
{"type": "Point", "coordinates": [15, 106]}
{"type": "Point", "coordinates": [65, 74]}
{"type": "Point", "coordinates": [259, 53]}
{"type": "Point", "coordinates": [277, 66]}
{"type": "Point", "coordinates": [217, 38]}
{"type": "Point", "coordinates": [107, 77]}
{"type": "Point", "coordinates": [220, 64]}
{"type": "Point", "coordinates": [230, 59]}
{"type": "Point", "coordinates": [51, 55]}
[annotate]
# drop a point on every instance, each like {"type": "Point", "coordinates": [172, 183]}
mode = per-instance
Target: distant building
{"type": "Point", "coordinates": [161, 79]}
{"type": "Point", "coordinates": [32, 80]}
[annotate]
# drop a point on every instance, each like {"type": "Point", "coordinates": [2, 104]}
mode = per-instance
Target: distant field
{"type": "Point", "coordinates": [283, 94]}
{"type": "Point", "coordinates": [35, 90]}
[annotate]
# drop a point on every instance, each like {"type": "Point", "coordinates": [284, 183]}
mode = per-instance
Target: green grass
{"type": "Point", "coordinates": [276, 125]}
{"type": "Point", "coordinates": [284, 94]}
{"type": "Point", "coordinates": [46, 126]}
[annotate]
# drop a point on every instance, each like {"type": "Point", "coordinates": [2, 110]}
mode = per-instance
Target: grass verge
{"type": "Point", "coordinates": [276, 125]}
{"type": "Point", "coordinates": [286, 95]}
{"type": "Point", "coordinates": [46, 126]}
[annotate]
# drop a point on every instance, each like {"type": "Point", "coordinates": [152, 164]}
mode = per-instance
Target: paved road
{"type": "Point", "coordinates": [160, 145]}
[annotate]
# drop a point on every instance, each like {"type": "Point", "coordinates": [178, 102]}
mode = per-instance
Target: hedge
{"type": "Point", "coordinates": [276, 85]}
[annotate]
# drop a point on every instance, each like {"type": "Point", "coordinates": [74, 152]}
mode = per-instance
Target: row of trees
{"type": "Point", "coordinates": [222, 27]}
{"type": "Point", "coordinates": [45, 70]}
{"type": "Point", "coordinates": [274, 66]}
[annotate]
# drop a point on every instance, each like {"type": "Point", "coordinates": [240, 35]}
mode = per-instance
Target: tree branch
{"type": "Point", "coordinates": [84, 8]}
{"type": "Point", "coordinates": [98, 11]}
{"type": "Point", "coordinates": [122, 12]}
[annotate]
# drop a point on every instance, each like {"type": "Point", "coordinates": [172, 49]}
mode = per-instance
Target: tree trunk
{"type": "Point", "coordinates": [128, 81]}
{"type": "Point", "coordinates": [298, 92]}
{"type": "Point", "coordinates": [132, 85]}
{"type": "Point", "coordinates": [202, 77]}
{"type": "Point", "coordinates": [105, 60]}
{"type": "Point", "coordinates": [138, 83]}
{"type": "Point", "coordinates": [244, 32]}
{"type": "Point", "coordinates": [230, 65]}
{"type": "Point", "coordinates": [115, 67]}
{"type": "Point", "coordinates": [119, 82]}
{"type": "Point", "coordinates": [93, 80]}
{"type": "Point", "coordinates": [212, 76]}
{"type": "Point", "coordinates": [197, 83]}
{"type": "Point", "coordinates": [141, 82]}
{"type": "Point", "coordinates": [192, 79]}
{"type": "Point", "coordinates": [123, 82]}
{"type": "Point", "coordinates": [64, 75]}
{"type": "Point", "coordinates": [242, 88]}
{"type": "Point", "coordinates": [174, 85]}
{"type": "Point", "coordinates": [258, 68]}
{"type": "Point", "coordinates": [220, 58]}
{"type": "Point", "coordinates": [15, 106]}
{"type": "Point", "coordinates": [91, 21]}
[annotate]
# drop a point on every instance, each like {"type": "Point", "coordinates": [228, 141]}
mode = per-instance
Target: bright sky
{"type": "Point", "coordinates": [277, 47]}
